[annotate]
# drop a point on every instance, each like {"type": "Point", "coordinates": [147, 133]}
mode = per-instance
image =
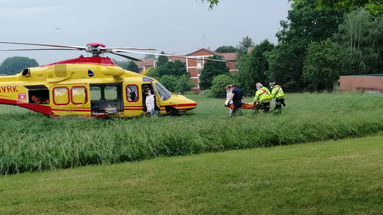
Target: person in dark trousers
{"type": "Point", "coordinates": [237, 99]}
{"type": "Point", "coordinates": [278, 94]}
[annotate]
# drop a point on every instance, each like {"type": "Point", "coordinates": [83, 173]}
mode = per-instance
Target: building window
{"type": "Point", "coordinates": [61, 96]}
{"type": "Point", "coordinates": [79, 95]}
{"type": "Point", "coordinates": [132, 93]}
{"type": "Point", "coordinates": [199, 63]}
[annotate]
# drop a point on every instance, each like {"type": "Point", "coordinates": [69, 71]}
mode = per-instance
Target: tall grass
{"type": "Point", "coordinates": [32, 142]}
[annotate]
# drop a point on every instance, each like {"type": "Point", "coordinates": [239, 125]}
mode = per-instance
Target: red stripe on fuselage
{"type": "Point", "coordinates": [182, 105]}
{"type": "Point", "coordinates": [44, 109]}
{"type": "Point", "coordinates": [86, 60]}
{"type": "Point", "coordinates": [72, 110]}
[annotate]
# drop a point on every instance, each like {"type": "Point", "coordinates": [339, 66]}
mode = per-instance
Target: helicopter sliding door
{"type": "Point", "coordinates": [106, 98]}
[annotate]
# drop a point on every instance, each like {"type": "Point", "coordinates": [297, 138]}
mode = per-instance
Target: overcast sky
{"type": "Point", "coordinates": [173, 26]}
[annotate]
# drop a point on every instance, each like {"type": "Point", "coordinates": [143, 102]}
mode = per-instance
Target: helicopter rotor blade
{"type": "Point", "coordinates": [171, 55]}
{"type": "Point", "coordinates": [134, 49]}
{"type": "Point", "coordinates": [48, 45]}
{"type": "Point", "coordinates": [47, 49]}
{"type": "Point", "coordinates": [126, 56]}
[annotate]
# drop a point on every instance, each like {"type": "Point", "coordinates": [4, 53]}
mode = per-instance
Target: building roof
{"type": "Point", "coordinates": [174, 58]}
{"type": "Point", "coordinates": [229, 56]}
{"type": "Point", "coordinates": [145, 63]}
{"type": "Point", "coordinates": [206, 50]}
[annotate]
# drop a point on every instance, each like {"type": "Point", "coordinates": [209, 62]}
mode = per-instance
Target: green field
{"type": "Point", "coordinates": [333, 177]}
{"type": "Point", "coordinates": [32, 142]}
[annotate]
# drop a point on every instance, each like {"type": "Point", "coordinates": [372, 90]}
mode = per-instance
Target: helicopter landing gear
{"type": "Point", "coordinates": [171, 111]}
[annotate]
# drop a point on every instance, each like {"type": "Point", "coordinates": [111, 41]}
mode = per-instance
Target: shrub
{"type": "Point", "coordinates": [219, 83]}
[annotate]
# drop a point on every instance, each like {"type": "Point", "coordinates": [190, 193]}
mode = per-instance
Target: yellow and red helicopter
{"type": "Point", "coordinates": [87, 86]}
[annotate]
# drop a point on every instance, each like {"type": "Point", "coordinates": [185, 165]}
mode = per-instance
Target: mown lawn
{"type": "Point", "coordinates": [333, 177]}
{"type": "Point", "coordinates": [32, 142]}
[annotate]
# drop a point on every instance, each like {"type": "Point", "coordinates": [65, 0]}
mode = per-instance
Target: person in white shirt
{"type": "Point", "coordinates": [150, 103]}
{"type": "Point", "coordinates": [229, 95]}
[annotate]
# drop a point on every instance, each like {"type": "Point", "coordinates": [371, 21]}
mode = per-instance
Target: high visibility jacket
{"type": "Point", "coordinates": [262, 95]}
{"type": "Point", "coordinates": [277, 92]}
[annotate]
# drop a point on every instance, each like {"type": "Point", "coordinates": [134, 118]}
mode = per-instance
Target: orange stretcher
{"type": "Point", "coordinates": [250, 105]}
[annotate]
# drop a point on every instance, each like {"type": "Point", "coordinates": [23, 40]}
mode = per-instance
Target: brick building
{"type": "Point", "coordinates": [363, 83]}
{"type": "Point", "coordinates": [195, 66]}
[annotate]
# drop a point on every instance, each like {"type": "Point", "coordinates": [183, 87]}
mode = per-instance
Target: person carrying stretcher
{"type": "Point", "coordinates": [262, 98]}
{"type": "Point", "coordinates": [278, 94]}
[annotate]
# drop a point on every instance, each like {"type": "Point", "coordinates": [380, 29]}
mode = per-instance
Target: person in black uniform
{"type": "Point", "coordinates": [237, 100]}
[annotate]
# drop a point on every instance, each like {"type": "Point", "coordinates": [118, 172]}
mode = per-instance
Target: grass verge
{"type": "Point", "coordinates": [333, 177]}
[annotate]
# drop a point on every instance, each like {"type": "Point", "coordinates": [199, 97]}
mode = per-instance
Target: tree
{"type": "Point", "coordinates": [374, 6]}
{"type": "Point", "coordinates": [210, 70]}
{"type": "Point", "coordinates": [184, 84]}
{"type": "Point", "coordinates": [153, 73]}
{"type": "Point", "coordinates": [219, 83]}
{"type": "Point", "coordinates": [362, 34]}
{"type": "Point", "coordinates": [132, 66]}
{"type": "Point", "coordinates": [226, 49]}
{"type": "Point", "coordinates": [244, 45]}
{"type": "Point", "coordinates": [123, 64]}
{"type": "Point", "coordinates": [150, 56]}
{"type": "Point", "coordinates": [212, 3]}
{"type": "Point", "coordinates": [162, 60]}
{"type": "Point", "coordinates": [170, 82]}
{"type": "Point", "coordinates": [176, 68]}
{"type": "Point", "coordinates": [305, 25]}
{"type": "Point", "coordinates": [324, 62]}
{"type": "Point", "coordinates": [285, 66]}
{"type": "Point", "coordinates": [13, 65]}
{"type": "Point", "coordinates": [254, 67]}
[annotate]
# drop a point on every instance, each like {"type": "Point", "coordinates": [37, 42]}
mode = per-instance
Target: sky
{"type": "Point", "coordinates": [173, 26]}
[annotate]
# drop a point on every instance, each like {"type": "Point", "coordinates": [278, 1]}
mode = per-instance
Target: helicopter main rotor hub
{"type": "Point", "coordinates": [95, 48]}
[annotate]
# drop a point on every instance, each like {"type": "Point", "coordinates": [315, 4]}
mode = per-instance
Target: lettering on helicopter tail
{"type": "Point", "coordinates": [90, 73]}
{"type": "Point", "coordinates": [8, 89]}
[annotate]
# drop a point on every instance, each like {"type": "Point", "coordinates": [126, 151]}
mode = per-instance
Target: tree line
{"type": "Point", "coordinates": [319, 41]}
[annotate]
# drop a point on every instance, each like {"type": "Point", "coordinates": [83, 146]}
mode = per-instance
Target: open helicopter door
{"type": "Point", "coordinates": [145, 88]}
{"type": "Point", "coordinates": [38, 94]}
{"type": "Point", "coordinates": [106, 98]}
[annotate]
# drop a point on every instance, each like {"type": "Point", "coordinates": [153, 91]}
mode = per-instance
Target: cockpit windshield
{"type": "Point", "coordinates": [165, 94]}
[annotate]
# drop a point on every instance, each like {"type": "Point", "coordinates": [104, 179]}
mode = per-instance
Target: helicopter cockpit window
{"type": "Point", "coordinates": [132, 93]}
{"type": "Point", "coordinates": [165, 94]}
{"type": "Point", "coordinates": [61, 96]}
{"type": "Point", "coordinates": [79, 95]}
{"type": "Point", "coordinates": [111, 92]}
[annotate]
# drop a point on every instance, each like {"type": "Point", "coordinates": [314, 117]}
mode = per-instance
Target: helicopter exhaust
{"type": "Point", "coordinates": [26, 73]}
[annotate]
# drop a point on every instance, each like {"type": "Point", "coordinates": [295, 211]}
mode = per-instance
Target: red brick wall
{"type": "Point", "coordinates": [193, 72]}
{"type": "Point", "coordinates": [195, 82]}
{"type": "Point", "coordinates": [361, 83]}
{"type": "Point", "coordinates": [192, 62]}
{"type": "Point", "coordinates": [232, 65]}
